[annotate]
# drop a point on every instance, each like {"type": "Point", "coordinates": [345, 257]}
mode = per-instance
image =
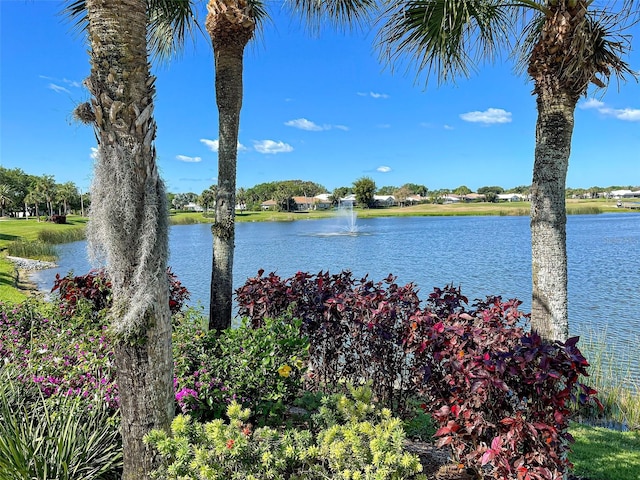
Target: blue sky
{"type": "Point", "coordinates": [320, 108]}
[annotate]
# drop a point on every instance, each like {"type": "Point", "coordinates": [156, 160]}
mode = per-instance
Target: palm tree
{"type": "Point", "coordinates": [231, 24]}
{"type": "Point", "coordinates": [208, 198]}
{"type": "Point", "coordinates": [567, 45]}
{"type": "Point", "coordinates": [46, 188]}
{"type": "Point", "coordinates": [65, 193]}
{"type": "Point", "coordinates": [33, 198]}
{"type": "Point", "coordinates": [129, 217]}
{"type": "Point", "coordinates": [5, 197]}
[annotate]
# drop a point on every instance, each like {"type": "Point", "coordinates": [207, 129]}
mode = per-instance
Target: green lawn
{"type": "Point", "coordinates": [8, 290]}
{"type": "Point", "coordinates": [31, 232]}
{"type": "Point", "coordinates": [603, 454]}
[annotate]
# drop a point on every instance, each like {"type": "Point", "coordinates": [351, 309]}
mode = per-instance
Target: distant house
{"type": "Point", "coordinates": [451, 198]}
{"type": "Point", "coordinates": [193, 207]}
{"type": "Point", "coordinates": [268, 205]}
{"type": "Point", "coordinates": [303, 204]}
{"type": "Point", "coordinates": [322, 201]}
{"type": "Point", "coordinates": [624, 194]}
{"type": "Point", "coordinates": [474, 197]}
{"type": "Point", "coordinates": [510, 197]}
{"type": "Point", "coordinates": [384, 200]}
{"type": "Point", "coordinates": [348, 201]}
{"type": "Point", "coordinates": [414, 199]}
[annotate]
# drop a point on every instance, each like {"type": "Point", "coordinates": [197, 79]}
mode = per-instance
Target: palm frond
{"type": "Point", "coordinates": [527, 40]}
{"type": "Point", "coordinates": [260, 14]}
{"type": "Point", "coordinates": [340, 14]}
{"type": "Point", "coordinates": [446, 38]}
{"type": "Point", "coordinates": [76, 11]}
{"type": "Point", "coordinates": [596, 51]}
{"type": "Point", "coordinates": [171, 23]}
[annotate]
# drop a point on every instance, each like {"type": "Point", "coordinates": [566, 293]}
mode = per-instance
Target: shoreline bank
{"type": "Point", "coordinates": [24, 267]}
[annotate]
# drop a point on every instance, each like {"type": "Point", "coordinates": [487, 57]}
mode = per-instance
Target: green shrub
{"type": "Point", "coordinates": [368, 444]}
{"type": "Point", "coordinates": [260, 368]}
{"type": "Point", "coordinates": [418, 424]}
{"type": "Point", "coordinates": [57, 438]}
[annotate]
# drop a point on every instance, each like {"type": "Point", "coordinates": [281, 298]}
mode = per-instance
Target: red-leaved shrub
{"type": "Point", "coordinates": [499, 393]}
{"type": "Point", "coordinates": [95, 287]}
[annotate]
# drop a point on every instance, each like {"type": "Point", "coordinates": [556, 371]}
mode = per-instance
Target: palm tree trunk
{"type": "Point", "coordinates": [549, 306]}
{"type": "Point", "coordinates": [229, 37]}
{"type": "Point", "coordinates": [129, 223]}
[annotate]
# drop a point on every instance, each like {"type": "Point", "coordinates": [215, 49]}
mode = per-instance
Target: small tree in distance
{"type": "Point", "coordinates": [364, 189]}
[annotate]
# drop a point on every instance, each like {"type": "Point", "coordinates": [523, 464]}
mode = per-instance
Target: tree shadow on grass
{"type": "Point", "coordinates": [8, 238]}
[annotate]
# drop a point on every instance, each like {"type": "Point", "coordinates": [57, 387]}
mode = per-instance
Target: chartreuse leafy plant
{"type": "Point", "coordinates": [357, 440]}
{"type": "Point", "coordinates": [366, 444]}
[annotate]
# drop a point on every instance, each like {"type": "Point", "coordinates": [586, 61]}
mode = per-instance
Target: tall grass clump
{"type": "Point", "coordinates": [584, 210]}
{"type": "Point", "coordinates": [514, 212]}
{"type": "Point", "coordinates": [55, 237]}
{"type": "Point", "coordinates": [65, 438]}
{"type": "Point", "coordinates": [37, 250]}
{"type": "Point", "coordinates": [618, 386]}
{"type": "Point", "coordinates": [185, 219]}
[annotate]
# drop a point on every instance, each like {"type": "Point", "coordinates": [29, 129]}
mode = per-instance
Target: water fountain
{"type": "Point", "coordinates": [347, 212]}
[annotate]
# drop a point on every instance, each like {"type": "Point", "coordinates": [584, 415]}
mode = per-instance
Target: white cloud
{"type": "Point", "coordinates": [373, 95]}
{"type": "Point", "coordinates": [211, 144]}
{"type": "Point", "coordinates": [592, 103]}
{"type": "Point", "coordinates": [58, 88]}
{"type": "Point", "coordinates": [489, 116]}
{"type": "Point", "coordinates": [272, 147]}
{"type": "Point", "coordinates": [625, 114]}
{"type": "Point", "coordinates": [94, 153]}
{"type": "Point", "coordinates": [304, 124]}
{"type": "Point", "coordinates": [214, 144]}
{"type": "Point", "coordinates": [628, 114]}
{"type": "Point", "coordinates": [447, 127]}
{"type": "Point", "coordinates": [383, 169]}
{"type": "Point", "coordinates": [184, 158]}
{"type": "Point", "coordinates": [72, 83]}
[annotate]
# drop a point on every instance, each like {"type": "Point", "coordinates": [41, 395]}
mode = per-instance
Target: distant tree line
{"type": "Point", "coordinates": [364, 189]}
{"type": "Point", "coordinates": [22, 194]}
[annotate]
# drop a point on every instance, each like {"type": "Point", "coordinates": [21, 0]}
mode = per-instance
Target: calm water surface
{"type": "Point", "coordinates": [483, 255]}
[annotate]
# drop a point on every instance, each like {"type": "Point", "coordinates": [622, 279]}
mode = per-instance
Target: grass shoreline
{"type": "Point", "coordinates": [574, 207]}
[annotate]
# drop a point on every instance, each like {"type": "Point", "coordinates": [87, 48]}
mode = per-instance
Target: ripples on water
{"type": "Point", "coordinates": [483, 255]}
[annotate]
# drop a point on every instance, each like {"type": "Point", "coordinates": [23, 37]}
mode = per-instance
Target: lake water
{"type": "Point", "coordinates": [483, 255]}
